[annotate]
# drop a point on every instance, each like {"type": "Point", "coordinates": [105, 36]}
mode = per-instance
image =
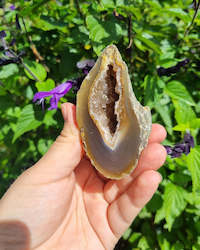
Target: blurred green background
{"type": "Point", "coordinates": [54, 35]}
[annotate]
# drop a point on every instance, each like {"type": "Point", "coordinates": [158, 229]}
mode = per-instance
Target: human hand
{"type": "Point", "coordinates": [63, 203]}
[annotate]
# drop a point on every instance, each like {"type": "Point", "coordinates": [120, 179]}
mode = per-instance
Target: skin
{"type": "Point", "coordinates": [63, 203]}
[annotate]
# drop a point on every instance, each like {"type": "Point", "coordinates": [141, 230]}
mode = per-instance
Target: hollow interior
{"type": "Point", "coordinates": [112, 98]}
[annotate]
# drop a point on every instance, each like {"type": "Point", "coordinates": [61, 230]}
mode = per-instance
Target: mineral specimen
{"type": "Point", "coordinates": [114, 126]}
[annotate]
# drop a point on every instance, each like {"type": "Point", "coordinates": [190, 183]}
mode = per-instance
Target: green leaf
{"type": "Point", "coordinates": [155, 203]}
{"type": "Point", "coordinates": [49, 23]}
{"type": "Point", "coordinates": [149, 42]}
{"type": "Point", "coordinates": [178, 246]}
{"type": "Point", "coordinates": [163, 242]}
{"type": "Point", "coordinates": [181, 127]}
{"type": "Point", "coordinates": [49, 118]}
{"type": "Point", "coordinates": [183, 112]}
{"type": "Point", "coordinates": [29, 92]}
{"type": "Point", "coordinates": [139, 45]}
{"type": "Point", "coordinates": [103, 33]}
{"type": "Point", "coordinates": [134, 237]}
{"type": "Point", "coordinates": [177, 12]}
{"type": "Point", "coordinates": [43, 145]}
{"type": "Point", "coordinates": [150, 90]}
{"type": "Point", "coordinates": [195, 123]}
{"type": "Point", "coordinates": [143, 244]}
{"type": "Point", "coordinates": [174, 203]}
{"type": "Point", "coordinates": [164, 112]}
{"type": "Point", "coordinates": [155, 4]}
{"type": "Point", "coordinates": [180, 178]}
{"type": "Point", "coordinates": [120, 3]}
{"type": "Point", "coordinates": [127, 233]}
{"type": "Point", "coordinates": [160, 215]}
{"type": "Point", "coordinates": [167, 62]}
{"type": "Point", "coordinates": [97, 31]}
{"type": "Point", "coordinates": [37, 70]}
{"type": "Point", "coordinates": [196, 246]}
{"type": "Point", "coordinates": [8, 70]}
{"type": "Point", "coordinates": [2, 91]}
{"type": "Point", "coordinates": [27, 121]}
{"type": "Point", "coordinates": [47, 85]}
{"type": "Point", "coordinates": [135, 11]}
{"type": "Point", "coordinates": [108, 3]}
{"type": "Point", "coordinates": [193, 163]}
{"type": "Point", "coordinates": [177, 91]}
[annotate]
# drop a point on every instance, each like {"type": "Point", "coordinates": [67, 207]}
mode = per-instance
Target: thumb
{"type": "Point", "coordinates": [66, 152]}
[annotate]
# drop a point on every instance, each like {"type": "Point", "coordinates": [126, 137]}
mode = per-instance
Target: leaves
{"type": "Point", "coordinates": [103, 33]}
{"type": "Point", "coordinates": [183, 112]}
{"type": "Point", "coordinates": [177, 91]}
{"type": "Point", "coordinates": [48, 23]}
{"type": "Point", "coordinates": [149, 42]}
{"type": "Point", "coordinates": [164, 112]}
{"type": "Point", "coordinates": [27, 121]}
{"type": "Point", "coordinates": [108, 3]}
{"type": "Point", "coordinates": [38, 71]}
{"type": "Point", "coordinates": [179, 13]}
{"type": "Point", "coordinates": [97, 31]}
{"type": "Point", "coordinates": [64, 33]}
{"type": "Point", "coordinates": [47, 85]}
{"type": "Point", "coordinates": [193, 163]}
{"type": "Point", "coordinates": [43, 145]}
{"type": "Point", "coordinates": [163, 242]}
{"type": "Point", "coordinates": [150, 90]}
{"type": "Point", "coordinates": [174, 203]}
{"type": "Point", "coordinates": [8, 70]}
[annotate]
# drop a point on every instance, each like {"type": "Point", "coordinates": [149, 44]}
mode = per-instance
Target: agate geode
{"type": "Point", "coordinates": [114, 126]}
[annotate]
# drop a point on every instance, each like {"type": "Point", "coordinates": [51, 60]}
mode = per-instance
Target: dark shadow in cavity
{"type": "Point", "coordinates": [112, 98]}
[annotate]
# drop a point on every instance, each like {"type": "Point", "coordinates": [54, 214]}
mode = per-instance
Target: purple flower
{"type": "Point", "coordinates": [12, 7]}
{"type": "Point", "coordinates": [2, 39]}
{"type": "Point", "coordinates": [172, 70]}
{"type": "Point", "coordinates": [56, 94]}
{"type": "Point", "coordinates": [168, 149]}
{"type": "Point", "coordinates": [181, 147]}
{"type": "Point", "coordinates": [85, 65]}
{"type": "Point", "coordinates": [2, 34]}
{"type": "Point", "coordinates": [189, 139]}
{"type": "Point", "coordinates": [13, 41]}
{"type": "Point", "coordinates": [17, 23]}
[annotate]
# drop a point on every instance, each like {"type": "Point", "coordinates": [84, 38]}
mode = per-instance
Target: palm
{"type": "Point", "coordinates": [93, 219]}
{"type": "Point", "coordinates": [85, 224]}
{"type": "Point", "coordinates": [101, 210]}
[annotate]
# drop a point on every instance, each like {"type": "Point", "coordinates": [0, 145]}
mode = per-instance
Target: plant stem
{"type": "Point", "coordinates": [29, 71]}
{"type": "Point", "coordinates": [130, 31]}
{"type": "Point", "coordinates": [78, 8]}
{"type": "Point", "coordinates": [21, 60]}
{"type": "Point", "coordinates": [194, 16]}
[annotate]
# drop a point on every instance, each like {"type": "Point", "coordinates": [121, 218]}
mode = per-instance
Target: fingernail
{"type": "Point", "coordinates": [69, 113]}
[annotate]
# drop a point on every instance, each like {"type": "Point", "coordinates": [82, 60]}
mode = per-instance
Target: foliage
{"type": "Point", "coordinates": [55, 35]}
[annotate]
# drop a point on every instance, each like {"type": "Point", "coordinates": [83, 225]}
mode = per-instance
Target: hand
{"type": "Point", "coordinates": [63, 203]}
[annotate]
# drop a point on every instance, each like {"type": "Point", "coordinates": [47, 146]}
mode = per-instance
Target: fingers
{"type": "Point", "coordinates": [152, 158]}
{"type": "Point", "coordinates": [66, 152]}
{"type": "Point", "coordinates": [123, 211]}
{"type": "Point", "coordinates": [158, 133]}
